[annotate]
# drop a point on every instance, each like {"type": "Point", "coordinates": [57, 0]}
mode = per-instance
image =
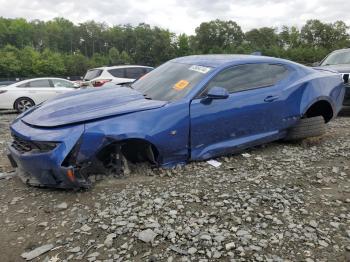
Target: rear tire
{"type": "Point", "coordinates": [22, 104]}
{"type": "Point", "coordinates": [307, 127]}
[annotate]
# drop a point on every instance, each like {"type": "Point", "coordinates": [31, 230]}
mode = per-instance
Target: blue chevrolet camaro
{"type": "Point", "coordinates": [190, 108]}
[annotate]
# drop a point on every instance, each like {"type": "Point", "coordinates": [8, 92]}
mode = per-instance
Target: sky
{"type": "Point", "coordinates": [181, 16]}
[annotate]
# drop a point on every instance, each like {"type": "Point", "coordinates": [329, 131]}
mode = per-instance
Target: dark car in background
{"type": "Point", "coordinates": [339, 60]}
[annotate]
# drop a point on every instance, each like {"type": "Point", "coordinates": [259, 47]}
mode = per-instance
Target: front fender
{"type": "Point", "coordinates": [166, 128]}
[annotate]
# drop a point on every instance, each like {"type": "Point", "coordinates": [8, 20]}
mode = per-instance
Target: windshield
{"type": "Point", "coordinates": [91, 74]}
{"type": "Point", "coordinates": [171, 81]}
{"type": "Point", "coordinates": [337, 58]}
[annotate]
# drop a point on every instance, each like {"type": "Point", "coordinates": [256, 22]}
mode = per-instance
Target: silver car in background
{"type": "Point", "coordinates": [339, 60]}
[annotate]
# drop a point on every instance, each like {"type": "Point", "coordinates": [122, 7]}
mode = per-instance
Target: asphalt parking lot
{"type": "Point", "coordinates": [278, 202]}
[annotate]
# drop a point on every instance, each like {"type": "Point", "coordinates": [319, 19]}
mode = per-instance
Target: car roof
{"type": "Point", "coordinates": [16, 83]}
{"type": "Point", "coordinates": [43, 78]}
{"type": "Point", "coordinates": [218, 60]}
{"type": "Point", "coordinates": [119, 66]}
{"type": "Point", "coordinates": [341, 50]}
{"type": "Point", "coordinates": [40, 78]}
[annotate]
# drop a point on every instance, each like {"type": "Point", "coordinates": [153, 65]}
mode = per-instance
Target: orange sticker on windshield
{"type": "Point", "coordinates": [181, 85]}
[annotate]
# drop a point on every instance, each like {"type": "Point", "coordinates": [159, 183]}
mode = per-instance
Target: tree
{"type": "Point", "coordinates": [163, 46]}
{"type": "Point", "coordinates": [29, 57]}
{"type": "Point", "coordinates": [49, 64]}
{"type": "Point", "coordinates": [339, 36]}
{"type": "Point", "coordinates": [19, 32]}
{"type": "Point", "coordinates": [60, 33]}
{"type": "Point", "coordinates": [98, 60]}
{"type": "Point", "coordinates": [330, 36]}
{"type": "Point", "coordinates": [39, 35]}
{"type": "Point", "coordinates": [56, 47]}
{"type": "Point", "coordinates": [114, 56]}
{"type": "Point", "coordinates": [125, 58]}
{"type": "Point", "coordinates": [183, 45]}
{"type": "Point", "coordinates": [76, 64]}
{"type": "Point", "coordinates": [3, 32]}
{"type": "Point", "coordinates": [262, 38]}
{"type": "Point", "coordinates": [289, 37]}
{"type": "Point", "coordinates": [217, 35]}
{"type": "Point", "coordinates": [9, 61]}
{"type": "Point", "coordinates": [91, 33]}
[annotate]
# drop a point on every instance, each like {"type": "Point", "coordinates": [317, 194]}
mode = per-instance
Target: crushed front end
{"type": "Point", "coordinates": [39, 155]}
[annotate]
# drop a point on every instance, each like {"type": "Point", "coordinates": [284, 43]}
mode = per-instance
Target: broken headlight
{"type": "Point", "coordinates": [26, 146]}
{"type": "Point", "coordinates": [45, 146]}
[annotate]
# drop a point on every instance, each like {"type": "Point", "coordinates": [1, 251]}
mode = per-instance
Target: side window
{"type": "Point", "coordinates": [92, 73]}
{"type": "Point", "coordinates": [117, 72]}
{"type": "Point", "coordinates": [61, 83]}
{"type": "Point", "coordinates": [147, 70]}
{"type": "Point", "coordinates": [39, 83]}
{"type": "Point", "coordinates": [249, 76]}
{"type": "Point", "coordinates": [134, 72]}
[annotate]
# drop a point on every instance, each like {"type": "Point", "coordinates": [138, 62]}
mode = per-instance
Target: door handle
{"type": "Point", "coordinates": [271, 98]}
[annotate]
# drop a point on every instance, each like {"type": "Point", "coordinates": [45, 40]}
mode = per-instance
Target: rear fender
{"type": "Point", "coordinates": [328, 88]}
{"type": "Point", "coordinates": [315, 100]}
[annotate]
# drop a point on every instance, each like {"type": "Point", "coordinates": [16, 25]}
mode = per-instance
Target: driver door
{"type": "Point", "coordinates": [250, 114]}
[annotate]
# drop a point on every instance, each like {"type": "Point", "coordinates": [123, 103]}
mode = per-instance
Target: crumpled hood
{"type": "Point", "coordinates": [87, 105]}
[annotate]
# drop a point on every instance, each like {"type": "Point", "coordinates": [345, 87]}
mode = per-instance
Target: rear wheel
{"type": "Point", "coordinates": [307, 127]}
{"type": "Point", "coordinates": [24, 103]}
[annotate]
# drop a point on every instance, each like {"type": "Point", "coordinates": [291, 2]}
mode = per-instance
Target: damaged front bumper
{"type": "Point", "coordinates": [65, 178]}
{"type": "Point", "coordinates": [44, 166]}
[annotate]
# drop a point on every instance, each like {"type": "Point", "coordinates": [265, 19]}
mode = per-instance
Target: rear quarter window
{"type": "Point", "coordinates": [91, 74]}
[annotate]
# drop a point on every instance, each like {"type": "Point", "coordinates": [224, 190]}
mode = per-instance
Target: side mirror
{"type": "Point", "coordinates": [217, 93]}
{"type": "Point", "coordinates": [316, 63]}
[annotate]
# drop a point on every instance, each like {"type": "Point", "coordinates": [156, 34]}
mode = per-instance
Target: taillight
{"type": "Point", "coordinates": [100, 82]}
{"type": "Point", "coordinates": [3, 91]}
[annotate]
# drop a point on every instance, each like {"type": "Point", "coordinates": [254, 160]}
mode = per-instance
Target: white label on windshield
{"type": "Point", "coordinates": [200, 69]}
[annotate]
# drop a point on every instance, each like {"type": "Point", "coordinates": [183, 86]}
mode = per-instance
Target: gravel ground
{"type": "Point", "coordinates": [278, 202]}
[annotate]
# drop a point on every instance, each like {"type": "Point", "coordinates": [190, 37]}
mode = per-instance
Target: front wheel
{"type": "Point", "coordinates": [24, 103]}
{"type": "Point", "coordinates": [307, 127]}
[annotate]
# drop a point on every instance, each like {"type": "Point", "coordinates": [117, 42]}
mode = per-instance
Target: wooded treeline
{"type": "Point", "coordinates": [59, 47]}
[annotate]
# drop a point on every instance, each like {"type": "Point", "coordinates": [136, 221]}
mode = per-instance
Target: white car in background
{"type": "Point", "coordinates": [27, 93]}
{"type": "Point", "coordinates": [115, 74]}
